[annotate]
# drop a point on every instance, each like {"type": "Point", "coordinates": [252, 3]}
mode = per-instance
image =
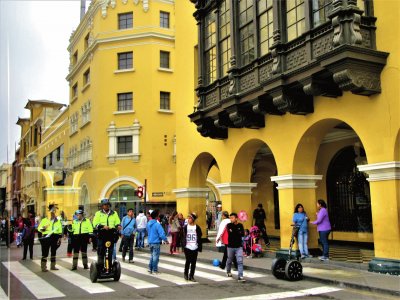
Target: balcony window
{"type": "Point", "coordinates": [210, 49]}
{"type": "Point", "coordinates": [246, 31]}
{"type": "Point", "coordinates": [265, 26]}
{"type": "Point", "coordinates": [224, 37]}
{"type": "Point", "coordinates": [295, 18]}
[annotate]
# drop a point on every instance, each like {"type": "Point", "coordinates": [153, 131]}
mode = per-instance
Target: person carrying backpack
{"type": "Point", "coordinates": [28, 237]}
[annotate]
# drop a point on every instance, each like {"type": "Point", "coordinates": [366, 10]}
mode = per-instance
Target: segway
{"type": "Point", "coordinates": [288, 269]}
{"type": "Point", "coordinates": [106, 270]}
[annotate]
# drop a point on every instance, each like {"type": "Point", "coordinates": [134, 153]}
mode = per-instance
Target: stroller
{"type": "Point", "coordinates": [256, 249]}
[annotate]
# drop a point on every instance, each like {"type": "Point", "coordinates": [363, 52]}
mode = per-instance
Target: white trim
{"type": "Point", "coordinates": [165, 111]}
{"type": "Point", "coordinates": [338, 136]}
{"type": "Point", "coordinates": [124, 71]}
{"type": "Point", "coordinates": [229, 188]}
{"type": "Point", "coordinates": [191, 192]}
{"type": "Point", "coordinates": [119, 179]}
{"type": "Point", "coordinates": [296, 181]}
{"type": "Point", "coordinates": [168, 70]}
{"type": "Point", "coordinates": [123, 112]}
{"type": "Point", "coordinates": [382, 171]}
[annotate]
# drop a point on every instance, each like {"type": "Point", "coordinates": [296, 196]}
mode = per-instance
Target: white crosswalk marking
{"type": "Point", "coordinates": [290, 294]}
{"type": "Point", "coordinates": [129, 280]}
{"type": "Point", "coordinates": [198, 273]}
{"type": "Point", "coordinates": [247, 274]}
{"type": "Point", "coordinates": [40, 288]}
{"type": "Point", "coordinates": [163, 276]}
{"type": "Point", "coordinates": [3, 295]}
{"type": "Point", "coordinates": [79, 280]}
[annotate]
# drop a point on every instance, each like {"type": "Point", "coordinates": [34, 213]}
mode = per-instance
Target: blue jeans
{"type": "Point", "coordinates": [238, 253]}
{"type": "Point", "coordinates": [154, 257]}
{"type": "Point", "coordinates": [323, 238]}
{"type": "Point", "coordinates": [140, 237]}
{"type": "Point", "coordinates": [302, 239]}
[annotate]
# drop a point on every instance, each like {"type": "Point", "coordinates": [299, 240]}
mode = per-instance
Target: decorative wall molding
{"type": "Point", "coordinates": [191, 192]}
{"type": "Point", "coordinates": [382, 171]}
{"type": "Point", "coordinates": [114, 181]}
{"type": "Point", "coordinates": [230, 188]}
{"type": "Point", "coordinates": [296, 181]}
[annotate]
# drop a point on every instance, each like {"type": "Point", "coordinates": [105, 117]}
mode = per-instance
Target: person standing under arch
{"type": "Point", "coordinates": [259, 218]}
{"type": "Point", "coordinates": [323, 227]}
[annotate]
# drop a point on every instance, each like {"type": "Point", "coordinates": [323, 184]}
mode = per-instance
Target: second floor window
{"type": "Point", "coordinates": [165, 100]}
{"type": "Point", "coordinates": [86, 77]}
{"type": "Point", "coordinates": [295, 18]}
{"type": "Point", "coordinates": [164, 19]}
{"type": "Point", "coordinates": [164, 59]}
{"type": "Point", "coordinates": [210, 49]}
{"type": "Point", "coordinates": [125, 101]}
{"type": "Point", "coordinates": [321, 9]}
{"type": "Point", "coordinates": [124, 144]}
{"type": "Point", "coordinates": [265, 23]}
{"type": "Point", "coordinates": [125, 20]}
{"type": "Point", "coordinates": [224, 37]}
{"type": "Point", "coordinates": [125, 60]}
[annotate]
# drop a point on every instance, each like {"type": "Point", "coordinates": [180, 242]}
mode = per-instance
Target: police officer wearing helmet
{"type": "Point", "coordinates": [51, 229]}
{"type": "Point", "coordinates": [107, 222]}
{"type": "Point", "coordinates": [81, 230]}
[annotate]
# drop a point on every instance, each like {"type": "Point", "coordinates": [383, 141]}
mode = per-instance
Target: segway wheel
{"type": "Point", "coordinates": [117, 270]}
{"type": "Point", "coordinates": [278, 267]}
{"type": "Point", "coordinates": [294, 270]}
{"type": "Point", "coordinates": [93, 272]}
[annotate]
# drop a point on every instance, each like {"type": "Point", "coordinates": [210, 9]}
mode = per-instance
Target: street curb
{"type": "Point", "coordinates": [341, 284]}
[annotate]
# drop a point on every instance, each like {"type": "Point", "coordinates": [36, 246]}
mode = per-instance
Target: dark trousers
{"type": "Point", "coordinates": [225, 258]}
{"type": "Point", "coordinates": [263, 230]}
{"type": "Point", "coordinates": [127, 243]}
{"type": "Point", "coordinates": [70, 245]}
{"type": "Point", "coordinates": [50, 243]}
{"type": "Point", "coordinates": [79, 244]}
{"type": "Point", "coordinates": [28, 243]}
{"type": "Point", "coordinates": [174, 241]}
{"type": "Point", "coordinates": [191, 258]}
{"type": "Point", "coordinates": [323, 238]}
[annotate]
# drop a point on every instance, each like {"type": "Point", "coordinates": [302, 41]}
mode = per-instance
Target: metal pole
{"type": "Point", "coordinates": [145, 197]}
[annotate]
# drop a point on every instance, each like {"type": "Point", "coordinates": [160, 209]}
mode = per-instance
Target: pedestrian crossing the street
{"type": "Point", "coordinates": [37, 285]}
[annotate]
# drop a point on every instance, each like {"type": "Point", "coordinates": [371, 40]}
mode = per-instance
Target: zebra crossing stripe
{"type": "Point", "coordinates": [289, 294]}
{"type": "Point", "coordinates": [247, 274]}
{"type": "Point", "coordinates": [163, 276]}
{"type": "Point", "coordinates": [40, 288]}
{"type": "Point", "coordinates": [128, 280]}
{"type": "Point", "coordinates": [198, 273]}
{"type": "Point", "coordinates": [3, 295]}
{"type": "Point", "coordinates": [79, 280]}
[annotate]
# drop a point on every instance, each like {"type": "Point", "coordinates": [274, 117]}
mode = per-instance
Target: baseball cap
{"type": "Point", "coordinates": [219, 205]}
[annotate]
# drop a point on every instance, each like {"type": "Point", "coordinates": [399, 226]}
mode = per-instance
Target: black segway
{"type": "Point", "coordinates": [108, 269]}
{"type": "Point", "coordinates": [288, 269]}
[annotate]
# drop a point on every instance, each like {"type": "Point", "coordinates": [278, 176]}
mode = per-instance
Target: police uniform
{"type": "Point", "coordinates": [110, 219]}
{"type": "Point", "coordinates": [51, 230]}
{"type": "Point", "coordinates": [81, 232]}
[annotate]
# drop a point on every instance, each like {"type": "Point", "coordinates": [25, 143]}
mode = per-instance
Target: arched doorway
{"type": "Point", "coordinates": [124, 197]}
{"type": "Point", "coordinates": [348, 192]}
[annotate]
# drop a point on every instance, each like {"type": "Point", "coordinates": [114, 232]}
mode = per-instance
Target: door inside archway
{"type": "Point", "coordinates": [348, 192]}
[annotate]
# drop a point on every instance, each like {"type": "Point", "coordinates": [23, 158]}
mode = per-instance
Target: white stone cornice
{"type": "Point", "coordinates": [229, 188]}
{"type": "Point", "coordinates": [382, 171]}
{"type": "Point", "coordinates": [296, 181]}
{"type": "Point", "coordinates": [191, 192]}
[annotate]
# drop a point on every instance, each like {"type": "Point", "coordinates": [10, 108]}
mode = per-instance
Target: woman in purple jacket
{"type": "Point", "coordinates": [323, 227]}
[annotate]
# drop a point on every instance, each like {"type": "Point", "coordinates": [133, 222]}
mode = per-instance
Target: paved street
{"type": "Point", "coordinates": [26, 281]}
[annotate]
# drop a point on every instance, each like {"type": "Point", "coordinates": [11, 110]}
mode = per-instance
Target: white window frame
{"type": "Point", "coordinates": [115, 132]}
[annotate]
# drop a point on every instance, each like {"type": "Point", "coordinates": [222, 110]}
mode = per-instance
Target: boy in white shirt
{"type": "Point", "coordinates": [192, 245]}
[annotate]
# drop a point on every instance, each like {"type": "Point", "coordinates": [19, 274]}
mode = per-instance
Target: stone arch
{"type": "Point", "coordinates": [109, 187]}
{"type": "Point", "coordinates": [200, 169]}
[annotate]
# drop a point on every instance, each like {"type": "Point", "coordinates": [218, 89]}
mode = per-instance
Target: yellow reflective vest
{"type": "Point", "coordinates": [102, 219]}
{"type": "Point", "coordinates": [81, 227]}
{"type": "Point", "coordinates": [53, 226]}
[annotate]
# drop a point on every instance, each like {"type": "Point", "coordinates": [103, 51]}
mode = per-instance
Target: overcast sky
{"type": "Point", "coordinates": [34, 60]}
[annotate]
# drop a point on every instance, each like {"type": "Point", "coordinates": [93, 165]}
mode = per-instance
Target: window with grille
{"type": "Point", "coordinates": [210, 49]}
{"type": "Point", "coordinates": [265, 26]}
{"type": "Point", "coordinates": [164, 19]}
{"type": "Point", "coordinates": [224, 36]}
{"type": "Point", "coordinates": [165, 100]}
{"type": "Point", "coordinates": [125, 101]}
{"type": "Point", "coordinates": [164, 59]}
{"type": "Point", "coordinates": [246, 31]}
{"type": "Point", "coordinates": [125, 60]}
{"type": "Point", "coordinates": [125, 20]}
{"type": "Point", "coordinates": [295, 18]}
{"type": "Point", "coordinates": [124, 144]}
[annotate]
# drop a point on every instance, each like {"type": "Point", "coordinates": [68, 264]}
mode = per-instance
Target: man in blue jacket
{"type": "Point", "coordinates": [128, 234]}
{"type": "Point", "coordinates": [156, 235]}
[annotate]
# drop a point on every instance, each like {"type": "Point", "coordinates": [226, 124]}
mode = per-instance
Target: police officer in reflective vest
{"type": "Point", "coordinates": [82, 229]}
{"type": "Point", "coordinates": [51, 229]}
{"type": "Point", "coordinates": [107, 222]}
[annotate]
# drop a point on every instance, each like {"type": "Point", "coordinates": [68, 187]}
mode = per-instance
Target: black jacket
{"type": "Point", "coordinates": [235, 234]}
{"type": "Point", "coordinates": [199, 234]}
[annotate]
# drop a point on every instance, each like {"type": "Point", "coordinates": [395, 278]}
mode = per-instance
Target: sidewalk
{"type": "Point", "coordinates": [344, 274]}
